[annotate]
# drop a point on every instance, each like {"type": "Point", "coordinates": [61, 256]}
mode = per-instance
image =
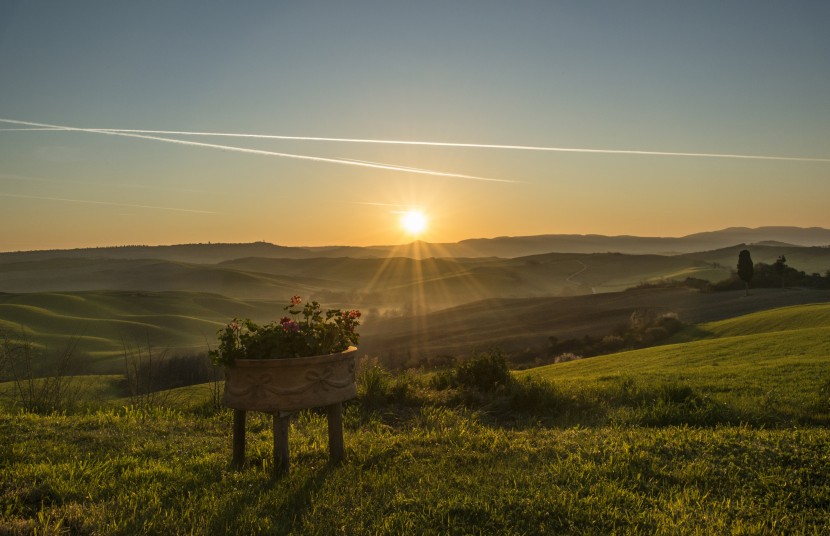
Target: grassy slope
{"type": "Point", "coordinates": [783, 319]}
{"type": "Point", "coordinates": [768, 363]}
{"type": "Point", "coordinates": [104, 322]}
{"type": "Point", "coordinates": [519, 323]}
{"type": "Point", "coordinates": [435, 468]}
{"type": "Point", "coordinates": [57, 275]}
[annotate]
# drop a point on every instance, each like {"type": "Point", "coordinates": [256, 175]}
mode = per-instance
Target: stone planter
{"type": "Point", "coordinates": [274, 385]}
{"type": "Point", "coordinates": [282, 386]}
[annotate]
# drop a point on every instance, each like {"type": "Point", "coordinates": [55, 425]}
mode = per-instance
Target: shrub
{"type": "Point", "coordinates": [33, 393]}
{"type": "Point", "coordinates": [148, 371]}
{"type": "Point", "coordinates": [654, 334]}
{"type": "Point", "coordinates": [373, 384]}
{"type": "Point", "coordinates": [567, 356]}
{"type": "Point", "coordinates": [484, 372]}
{"type": "Point", "coordinates": [443, 379]}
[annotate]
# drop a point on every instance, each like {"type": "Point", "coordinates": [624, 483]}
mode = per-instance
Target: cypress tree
{"type": "Point", "coordinates": [745, 268]}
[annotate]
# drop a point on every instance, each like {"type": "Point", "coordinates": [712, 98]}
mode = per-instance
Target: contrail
{"type": "Point", "coordinates": [11, 176]}
{"type": "Point", "coordinates": [27, 129]}
{"type": "Point", "coordinates": [359, 163]}
{"type": "Point", "coordinates": [90, 202]}
{"type": "Point", "coordinates": [451, 144]}
{"type": "Point", "coordinates": [374, 204]}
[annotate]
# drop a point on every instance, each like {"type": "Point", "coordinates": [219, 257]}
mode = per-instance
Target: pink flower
{"type": "Point", "coordinates": [290, 326]}
{"type": "Point", "coordinates": [296, 300]}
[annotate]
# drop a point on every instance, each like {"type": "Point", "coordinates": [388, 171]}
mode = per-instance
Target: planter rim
{"type": "Point", "coordinates": [293, 361]}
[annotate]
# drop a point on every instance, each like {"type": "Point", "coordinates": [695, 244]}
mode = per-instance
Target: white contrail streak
{"type": "Point", "coordinates": [374, 204]}
{"type": "Point", "coordinates": [90, 202]}
{"type": "Point", "coordinates": [27, 129]}
{"type": "Point", "coordinates": [359, 163]}
{"type": "Point", "coordinates": [462, 145]}
{"type": "Point", "coordinates": [10, 176]}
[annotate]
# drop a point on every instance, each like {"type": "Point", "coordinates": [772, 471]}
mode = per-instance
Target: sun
{"type": "Point", "coordinates": [414, 222]}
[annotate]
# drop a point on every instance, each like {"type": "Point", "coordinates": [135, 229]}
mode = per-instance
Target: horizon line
{"type": "Point", "coordinates": [308, 247]}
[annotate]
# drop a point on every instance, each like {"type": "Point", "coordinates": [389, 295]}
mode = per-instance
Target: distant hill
{"type": "Point", "coordinates": [105, 323]}
{"type": "Point", "coordinates": [518, 324]}
{"type": "Point", "coordinates": [504, 247]}
{"type": "Point", "coordinates": [531, 245]}
{"type": "Point", "coordinates": [401, 283]}
{"type": "Point", "coordinates": [409, 285]}
{"type": "Point", "coordinates": [807, 259]}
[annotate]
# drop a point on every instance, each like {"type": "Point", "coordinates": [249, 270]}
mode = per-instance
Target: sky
{"type": "Point", "coordinates": [669, 98]}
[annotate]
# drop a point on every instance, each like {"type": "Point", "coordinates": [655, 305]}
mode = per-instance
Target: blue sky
{"type": "Point", "coordinates": [738, 78]}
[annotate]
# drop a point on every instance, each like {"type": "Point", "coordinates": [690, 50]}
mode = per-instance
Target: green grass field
{"type": "Point", "coordinates": [103, 323]}
{"type": "Point", "coordinates": [724, 434]}
{"type": "Point", "coordinates": [440, 471]}
{"type": "Point", "coordinates": [768, 368]}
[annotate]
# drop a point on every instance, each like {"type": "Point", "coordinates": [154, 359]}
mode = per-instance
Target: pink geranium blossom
{"type": "Point", "coordinates": [306, 332]}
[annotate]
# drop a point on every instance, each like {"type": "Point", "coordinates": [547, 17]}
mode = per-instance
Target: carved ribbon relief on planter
{"type": "Point", "coordinates": [291, 384]}
{"type": "Point", "coordinates": [257, 384]}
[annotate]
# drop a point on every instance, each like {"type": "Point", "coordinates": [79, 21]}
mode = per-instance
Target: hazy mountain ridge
{"type": "Point", "coordinates": [503, 247]}
{"type": "Point", "coordinates": [396, 282]}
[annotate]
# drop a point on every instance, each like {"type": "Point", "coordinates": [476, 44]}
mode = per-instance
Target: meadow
{"type": "Point", "coordinates": [724, 431]}
{"type": "Point", "coordinates": [107, 302]}
{"type": "Point", "coordinates": [104, 326]}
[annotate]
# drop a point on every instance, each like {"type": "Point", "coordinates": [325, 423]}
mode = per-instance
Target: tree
{"type": "Point", "coordinates": [745, 268]}
{"type": "Point", "coordinates": [780, 267]}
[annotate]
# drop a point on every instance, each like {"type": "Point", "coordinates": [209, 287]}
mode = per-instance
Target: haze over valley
{"type": "Point", "coordinates": [414, 304]}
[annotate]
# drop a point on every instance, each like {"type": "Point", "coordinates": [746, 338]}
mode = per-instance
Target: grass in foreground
{"type": "Point", "coordinates": [439, 470]}
{"type": "Point", "coordinates": [682, 439]}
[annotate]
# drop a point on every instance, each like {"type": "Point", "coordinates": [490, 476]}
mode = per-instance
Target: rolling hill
{"type": "Point", "coordinates": [773, 362]}
{"type": "Point", "coordinates": [517, 324]}
{"type": "Point", "coordinates": [391, 283]}
{"type": "Point", "coordinates": [505, 247]}
{"type": "Point", "coordinates": [177, 296]}
{"type": "Point", "coordinates": [104, 323]}
{"type": "Point", "coordinates": [807, 259]}
{"type": "Point", "coordinates": [395, 283]}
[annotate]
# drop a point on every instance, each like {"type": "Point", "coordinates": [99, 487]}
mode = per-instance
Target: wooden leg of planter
{"type": "Point", "coordinates": [238, 438]}
{"type": "Point", "coordinates": [335, 415]}
{"type": "Point", "coordinates": [281, 460]}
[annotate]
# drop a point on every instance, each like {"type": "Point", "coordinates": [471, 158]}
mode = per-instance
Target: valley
{"type": "Point", "coordinates": [176, 297]}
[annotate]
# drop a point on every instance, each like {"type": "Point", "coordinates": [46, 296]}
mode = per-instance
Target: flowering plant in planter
{"type": "Point", "coordinates": [307, 332]}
